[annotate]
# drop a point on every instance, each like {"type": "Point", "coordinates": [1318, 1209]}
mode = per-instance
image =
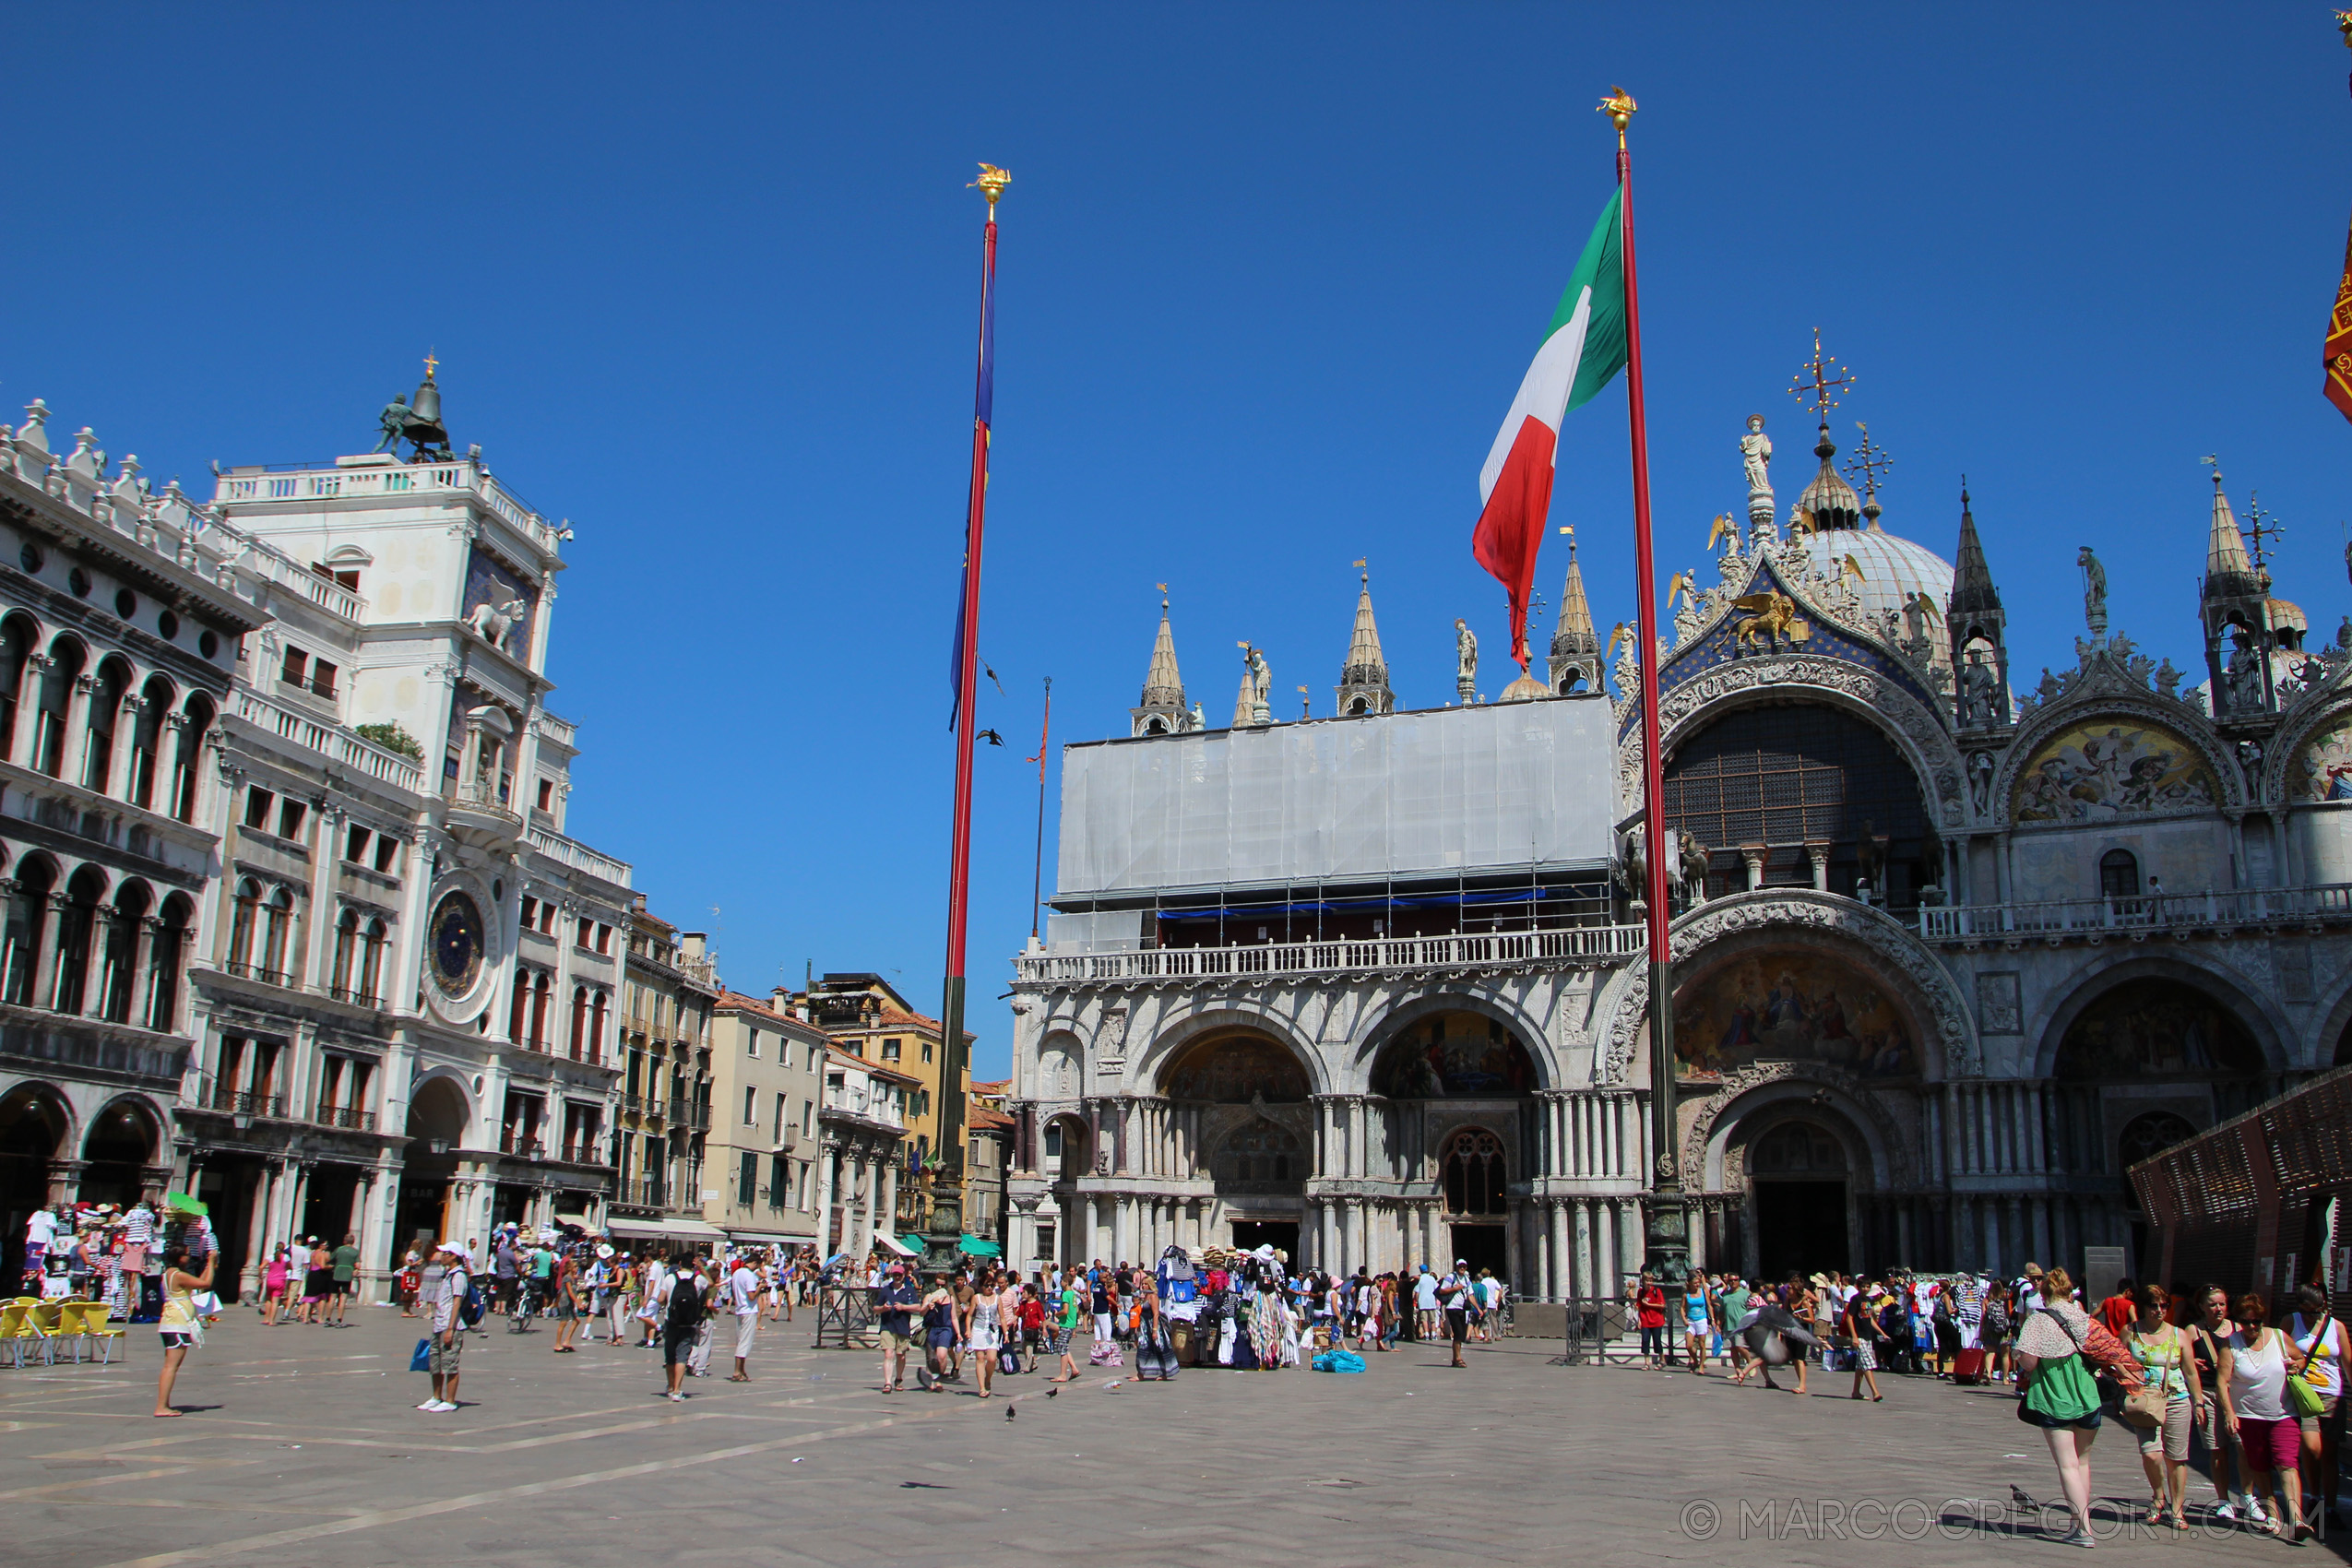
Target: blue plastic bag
{"type": "Point", "coordinates": [421, 1361]}
{"type": "Point", "coordinates": [1339, 1362]}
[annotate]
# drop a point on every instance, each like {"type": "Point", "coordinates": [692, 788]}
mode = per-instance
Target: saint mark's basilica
{"type": "Point", "coordinates": [1952, 951]}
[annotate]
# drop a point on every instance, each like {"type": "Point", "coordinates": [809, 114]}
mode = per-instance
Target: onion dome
{"type": "Point", "coordinates": [1829, 498]}
{"type": "Point", "coordinates": [1893, 569]}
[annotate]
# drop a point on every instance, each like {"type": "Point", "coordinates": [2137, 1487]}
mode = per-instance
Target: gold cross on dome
{"type": "Point", "coordinates": [1827, 376]}
{"type": "Point", "coordinates": [1869, 461]}
{"type": "Point", "coordinates": [431, 364]}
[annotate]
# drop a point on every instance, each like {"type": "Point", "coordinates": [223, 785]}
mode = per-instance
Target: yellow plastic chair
{"type": "Point", "coordinates": [12, 1331]}
{"type": "Point", "coordinates": [69, 1325]}
{"type": "Point", "coordinates": [40, 1323]}
{"type": "Point", "coordinates": [101, 1336]}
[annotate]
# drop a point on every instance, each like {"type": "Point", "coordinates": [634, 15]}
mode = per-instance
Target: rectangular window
{"type": "Point", "coordinates": [752, 1048]}
{"type": "Point", "coordinates": [890, 1051]}
{"type": "Point", "coordinates": [581, 938]}
{"type": "Point", "coordinates": [926, 1051]}
{"type": "Point", "coordinates": [290, 820]}
{"type": "Point", "coordinates": [547, 794]}
{"type": "Point", "coordinates": [297, 665]}
{"type": "Point", "coordinates": [1053, 1140]}
{"type": "Point", "coordinates": [750, 1106]}
{"type": "Point", "coordinates": [257, 804]}
{"type": "Point", "coordinates": [322, 678]}
{"type": "Point", "coordinates": [747, 1181]}
{"type": "Point", "coordinates": [780, 1103]}
{"type": "Point", "coordinates": [387, 854]}
{"type": "Point", "coordinates": [530, 912]}
{"type": "Point", "coordinates": [355, 845]}
{"type": "Point", "coordinates": [604, 939]}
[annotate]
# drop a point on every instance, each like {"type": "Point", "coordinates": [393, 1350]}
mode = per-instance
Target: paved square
{"type": "Point", "coordinates": [301, 1446]}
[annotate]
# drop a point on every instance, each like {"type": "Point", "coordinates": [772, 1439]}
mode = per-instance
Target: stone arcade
{"type": "Point", "coordinates": [1371, 987]}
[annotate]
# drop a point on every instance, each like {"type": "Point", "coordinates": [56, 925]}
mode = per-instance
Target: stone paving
{"type": "Point", "coordinates": [301, 1446]}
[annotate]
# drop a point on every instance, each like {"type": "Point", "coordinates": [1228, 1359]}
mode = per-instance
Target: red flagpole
{"type": "Point", "coordinates": [942, 1241]}
{"type": "Point", "coordinates": [1667, 1232]}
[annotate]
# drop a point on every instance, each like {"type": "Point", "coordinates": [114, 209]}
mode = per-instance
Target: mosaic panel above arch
{"type": "Point", "coordinates": [1453, 1055]}
{"type": "Point", "coordinates": [2107, 767]}
{"type": "Point", "coordinates": [1791, 1004]}
{"type": "Point", "coordinates": [2155, 1028]}
{"type": "Point", "coordinates": [1235, 1069]}
{"type": "Point", "coordinates": [2322, 769]}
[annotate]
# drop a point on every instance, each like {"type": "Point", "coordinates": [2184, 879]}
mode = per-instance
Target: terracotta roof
{"type": "Point", "coordinates": [647, 920]}
{"type": "Point", "coordinates": [994, 1086]}
{"type": "Point", "coordinates": [983, 1120]}
{"type": "Point", "coordinates": [877, 1068]}
{"type": "Point", "coordinates": [736, 1002]}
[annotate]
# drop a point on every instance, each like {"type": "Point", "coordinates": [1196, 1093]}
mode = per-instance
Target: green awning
{"type": "Point", "coordinates": [981, 1249]}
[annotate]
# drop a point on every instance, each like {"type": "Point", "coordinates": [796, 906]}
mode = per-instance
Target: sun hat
{"type": "Point", "coordinates": [604, 1249]}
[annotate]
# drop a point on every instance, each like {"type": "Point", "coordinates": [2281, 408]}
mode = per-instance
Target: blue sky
{"type": "Point", "coordinates": [702, 279]}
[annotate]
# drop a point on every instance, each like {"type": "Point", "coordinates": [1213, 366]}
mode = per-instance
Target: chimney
{"type": "Point", "coordinates": [691, 942]}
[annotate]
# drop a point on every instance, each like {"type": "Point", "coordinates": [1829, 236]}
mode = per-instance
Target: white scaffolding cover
{"type": "Point", "coordinates": [1490, 787]}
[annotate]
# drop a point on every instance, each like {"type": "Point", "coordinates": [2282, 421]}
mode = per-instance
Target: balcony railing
{"type": "Point", "coordinates": [256, 972]}
{"type": "Point", "coordinates": [357, 998]}
{"type": "Point", "coordinates": [1583, 944]}
{"type": "Point", "coordinates": [578, 856]}
{"type": "Point", "coordinates": [346, 1117]}
{"type": "Point", "coordinates": [309, 732]}
{"type": "Point", "coordinates": [2138, 915]}
{"type": "Point", "coordinates": [386, 480]}
{"type": "Point", "coordinates": [237, 1103]}
{"type": "Point", "coordinates": [521, 1145]}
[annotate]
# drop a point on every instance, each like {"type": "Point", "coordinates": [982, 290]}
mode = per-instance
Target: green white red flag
{"type": "Point", "coordinates": [1581, 351]}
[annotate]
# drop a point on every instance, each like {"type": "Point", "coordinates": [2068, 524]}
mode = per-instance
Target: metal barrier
{"type": "Point", "coordinates": [845, 1319]}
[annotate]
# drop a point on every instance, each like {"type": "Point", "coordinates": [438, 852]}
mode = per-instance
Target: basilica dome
{"type": "Point", "coordinates": [1893, 569]}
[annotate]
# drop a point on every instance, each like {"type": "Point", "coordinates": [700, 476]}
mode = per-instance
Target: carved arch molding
{"type": "Point", "coordinates": [1800, 910]}
{"type": "Point", "coordinates": [1856, 1103]}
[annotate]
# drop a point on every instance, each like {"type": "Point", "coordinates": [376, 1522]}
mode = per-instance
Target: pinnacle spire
{"type": "Point", "coordinates": [2229, 573]}
{"type": "Point", "coordinates": [1363, 679]}
{"type": "Point", "coordinates": [1576, 650]}
{"type": "Point", "coordinates": [1972, 587]}
{"type": "Point", "coordinates": [1162, 710]}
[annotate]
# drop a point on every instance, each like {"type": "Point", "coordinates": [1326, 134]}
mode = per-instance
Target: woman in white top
{"type": "Point", "coordinates": [2253, 1405]}
{"type": "Point", "coordinates": [2320, 1354]}
{"type": "Point", "coordinates": [980, 1331]}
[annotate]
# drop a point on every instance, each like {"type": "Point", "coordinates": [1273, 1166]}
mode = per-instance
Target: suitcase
{"type": "Point", "coordinates": [1968, 1367]}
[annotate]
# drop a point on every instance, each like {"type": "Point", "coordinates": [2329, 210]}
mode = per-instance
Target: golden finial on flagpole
{"type": "Point", "coordinates": [991, 183]}
{"type": "Point", "coordinates": [1619, 107]}
{"type": "Point", "coordinates": [2343, 26]}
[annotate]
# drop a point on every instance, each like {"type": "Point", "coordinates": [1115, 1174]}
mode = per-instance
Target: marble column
{"type": "Point", "coordinates": [1561, 1282]}
{"type": "Point", "coordinates": [827, 1156]}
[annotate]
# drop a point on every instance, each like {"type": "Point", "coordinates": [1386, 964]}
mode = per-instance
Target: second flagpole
{"type": "Point", "coordinates": [1665, 1251]}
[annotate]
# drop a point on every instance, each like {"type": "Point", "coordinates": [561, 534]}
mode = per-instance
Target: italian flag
{"type": "Point", "coordinates": [1584, 348]}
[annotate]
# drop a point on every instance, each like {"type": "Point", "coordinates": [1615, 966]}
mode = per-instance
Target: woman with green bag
{"type": "Point", "coordinates": [2060, 1395]}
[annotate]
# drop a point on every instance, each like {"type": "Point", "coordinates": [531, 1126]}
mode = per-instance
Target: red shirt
{"type": "Point", "coordinates": [1653, 1302]}
{"type": "Point", "coordinates": [2117, 1312]}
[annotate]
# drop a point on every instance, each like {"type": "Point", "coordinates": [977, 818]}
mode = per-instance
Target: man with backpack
{"type": "Point", "coordinates": [1454, 1299]}
{"type": "Point", "coordinates": [447, 1340]}
{"type": "Point", "coordinates": [682, 1305]}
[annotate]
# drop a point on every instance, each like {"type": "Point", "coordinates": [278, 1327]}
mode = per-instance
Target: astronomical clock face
{"type": "Point", "coordinates": [457, 933]}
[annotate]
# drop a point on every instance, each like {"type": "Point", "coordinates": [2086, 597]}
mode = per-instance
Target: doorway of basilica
{"type": "Point", "coordinates": [1797, 1175]}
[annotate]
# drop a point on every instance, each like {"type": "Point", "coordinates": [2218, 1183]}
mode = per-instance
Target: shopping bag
{"type": "Point", "coordinates": [420, 1360]}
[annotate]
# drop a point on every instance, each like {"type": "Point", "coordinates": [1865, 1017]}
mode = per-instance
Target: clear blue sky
{"type": "Point", "coordinates": [703, 279]}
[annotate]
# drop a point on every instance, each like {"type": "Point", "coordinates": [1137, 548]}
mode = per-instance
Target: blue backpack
{"type": "Point", "coordinates": [471, 1310]}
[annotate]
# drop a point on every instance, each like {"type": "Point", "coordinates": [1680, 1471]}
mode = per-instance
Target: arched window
{"type": "Point", "coordinates": [243, 922]}
{"type": "Point", "coordinates": [118, 969]}
{"type": "Point", "coordinates": [187, 755]}
{"type": "Point", "coordinates": [542, 995]}
{"type": "Point", "coordinates": [147, 734]}
{"type": "Point", "coordinates": [28, 928]}
{"type": "Point", "coordinates": [163, 956]}
{"type": "Point", "coordinates": [1475, 1173]}
{"type": "Point", "coordinates": [372, 941]}
{"type": "Point", "coordinates": [277, 926]}
{"type": "Point", "coordinates": [1796, 1148]}
{"type": "Point", "coordinates": [347, 952]}
{"type": "Point", "coordinates": [2149, 1135]}
{"type": "Point", "coordinates": [98, 738]}
{"type": "Point", "coordinates": [76, 930]}
{"type": "Point", "coordinates": [17, 636]}
{"type": "Point", "coordinates": [519, 1016]}
{"type": "Point", "coordinates": [65, 660]}
{"type": "Point", "coordinates": [2119, 874]}
{"type": "Point", "coordinates": [579, 1017]}
{"type": "Point", "coordinates": [596, 1028]}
